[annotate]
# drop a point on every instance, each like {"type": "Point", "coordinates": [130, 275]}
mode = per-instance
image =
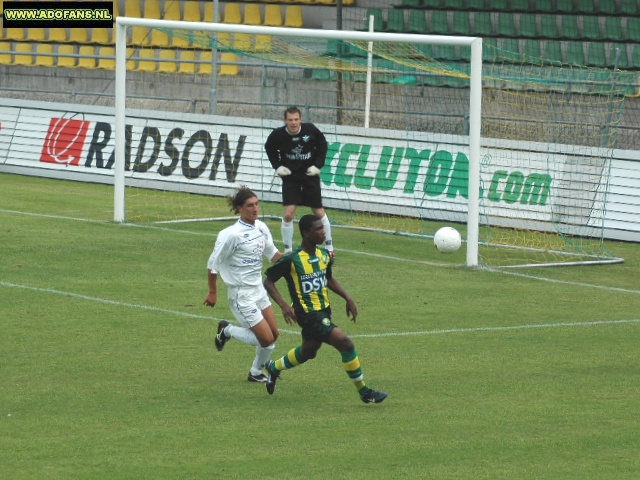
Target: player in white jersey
{"type": "Point", "coordinates": [237, 258]}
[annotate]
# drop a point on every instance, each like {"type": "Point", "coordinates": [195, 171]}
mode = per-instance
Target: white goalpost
{"type": "Point", "coordinates": [474, 102]}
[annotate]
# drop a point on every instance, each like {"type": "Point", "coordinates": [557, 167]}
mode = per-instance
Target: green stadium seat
{"type": "Point", "coordinates": [430, 79]}
{"type": "Point", "coordinates": [553, 52]}
{"type": "Point", "coordinates": [543, 6]}
{"type": "Point", "coordinates": [612, 29]}
{"type": "Point", "coordinates": [623, 59]}
{"type": "Point", "coordinates": [461, 23]}
{"type": "Point", "coordinates": [520, 6]}
{"type": "Point", "coordinates": [575, 53]}
{"type": "Point", "coordinates": [489, 52]}
{"type": "Point", "coordinates": [323, 74]}
{"type": "Point", "coordinates": [532, 50]}
{"type": "Point", "coordinates": [482, 24]}
{"type": "Point", "coordinates": [595, 55]}
{"type": "Point", "coordinates": [424, 49]}
{"type": "Point", "coordinates": [506, 25]}
{"type": "Point", "coordinates": [446, 52]}
{"type": "Point", "coordinates": [511, 50]}
{"type": "Point", "coordinates": [439, 22]}
{"type": "Point", "coordinates": [383, 77]}
{"type": "Point", "coordinates": [465, 53]}
{"type": "Point", "coordinates": [453, 4]}
{"type": "Point", "coordinates": [607, 7]}
{"type": "Point", "coordinates": [498, 5]}
{"type": "Point", "coordinates": [528, 28]}
{"type": "Point", "coordinates": [548, 26]}
{"type": "Point", "coordinates": [455, 82]}
{"type": "Point", "coordinates": [632, 33]}
{"type": "Point", "coordinates": [586, 6]}
{"type": "Point", "coordinates": [569, 26]}
{"type": "Point", "coordinates": [410, 4]}
{"type": "Point", "coordinates": [628, 7]}
{"type": "Point", "coordinates": [378, 23]}
{"type": "Point", "coordinates": [395, 21]}
{"type": "Point", "coordinates": [635, 57]}
{"type": "Point", "coordinates": [475, 5]}
{"type": "Point", "coordinates": [417, 22]}
{"type": "Point", "coordinates": [591, 28]}
{"type": "Point", "coordinates": [431, 4]}
{"type": "Point", "coordinates": [564, 6]}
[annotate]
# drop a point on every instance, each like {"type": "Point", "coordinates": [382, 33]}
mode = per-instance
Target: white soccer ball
{"type": "Point", "coordinates": [447, 240]}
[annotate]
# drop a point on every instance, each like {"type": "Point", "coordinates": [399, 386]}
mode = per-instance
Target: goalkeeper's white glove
{"type": "Point", "coordinates": [283, 171]}
{"type": "Point", "coordinates": [312, 171]}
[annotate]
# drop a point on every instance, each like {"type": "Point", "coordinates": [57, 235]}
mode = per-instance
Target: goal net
{"type": "Point", "coordinates": [398, 117]}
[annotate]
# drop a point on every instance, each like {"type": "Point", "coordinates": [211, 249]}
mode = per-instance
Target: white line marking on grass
{"type": "Point", "coordinates": [363, 335]}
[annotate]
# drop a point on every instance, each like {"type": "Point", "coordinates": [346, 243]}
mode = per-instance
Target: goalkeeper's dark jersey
{"type": "Point", "coordinates": [306, 277]}
{"type": "Point", "coordinates": [297, 152]}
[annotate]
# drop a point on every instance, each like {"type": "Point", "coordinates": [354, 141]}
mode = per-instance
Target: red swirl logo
{"type": "Point", "coordinates": [64, 141]}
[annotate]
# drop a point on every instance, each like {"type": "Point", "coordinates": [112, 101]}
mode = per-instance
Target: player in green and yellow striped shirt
{"type": "Point", "coordinates": [307, 270]}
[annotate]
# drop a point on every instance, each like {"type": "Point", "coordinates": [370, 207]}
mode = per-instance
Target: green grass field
{"type": "Point", "coordinates": [109, 370]}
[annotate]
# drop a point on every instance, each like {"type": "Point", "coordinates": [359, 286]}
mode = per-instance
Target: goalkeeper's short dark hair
{"type": "Point", "coordinates": [306, 222]}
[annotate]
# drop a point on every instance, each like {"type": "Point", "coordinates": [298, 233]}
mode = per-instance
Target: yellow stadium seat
{"type": "Point", "coordinates": [159, 39]}
{"type": "Point", "coordinates": [106, 60]}
{"type": "Point", "coordinates": [66, 61]}
{"type": "Point", "coordinates": [101, 36]}
{"type": "Point", "coordinates": [192, 11]}
{"type": "Point", "coordinates": [16, 34]}
{"type": "Point", "coordinates": [228, 68]}
{"type": "Point", "coordinates": [171, 10]}
{"type": "Point", "coordinates": [5, 58]}
{"type": "Point", "coordinates": [87, 62]}
{"type": "Point", "coordinates": [186, 62]}
{"type": "Point", "coordinates": [57, 35]}
{"type": "Point", "coordinates": [78, 35]}
{"type": "Point", "coordinates": [169, 63]}
{"type": "Point", "coordinates": [252, 14]}
{"type": "Point", "coordinates": [140, 36]}
{"type": "Point", "coordinates": [208, 12]}
{"type": "Point", "coordinates": [263, 43]}
{"type": "Point", "coordinates": [23, 54]}
{"type": "Point", "coordinates": [293, 16]}
{"type": "Point", "coordinates": [152, 9]}
{"type": "Point", "coordinates": [131, 64]}
{"type": "Point", "coordinates": [180, 41]}
{"type": "Point", "coordinates": [146, 60]}
{"type": "Point", "coordinates": [116, 10]}
{"type": "Point", "coordinates": [224, 41]}
{"type": "Point", "coordinates": [132, 8]}
{"type": "Point", "coordinates": [204, 68]}
{"type": "Point", "coordinates": [272, 16]}
{"type": "Point", "coordinates": [242, 41]}
{"type": "Point", "coordinates": [232, 13]}
{"type": "Point", "coordinates": [36, 34]}
{"type": "Point", "coordinates": [43, 60]}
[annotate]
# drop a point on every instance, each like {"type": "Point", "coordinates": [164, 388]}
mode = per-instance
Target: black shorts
{"type": "Point", "coordinates": [316, 325]}
{"type": "Point", "coordinates": [301, 189]}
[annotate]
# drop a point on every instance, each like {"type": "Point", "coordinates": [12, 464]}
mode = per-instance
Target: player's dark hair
{"type": "Point", "coordinates": [291, 110]}
{"type": "Point", "coordinates": [306, 223]}
{"type": "Point", "coordinates": [240, 196]}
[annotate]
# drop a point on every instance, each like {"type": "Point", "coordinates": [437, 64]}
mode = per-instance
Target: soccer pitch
{"type": "Point", "coordinates": [109, 368]}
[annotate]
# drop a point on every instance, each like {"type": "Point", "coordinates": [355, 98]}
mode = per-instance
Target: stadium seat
{"type": "Point", "coordinates": [628, 7]}
{"type": "Point", "coordinates": [192, 11]}
{"type": "Point", "coordinates": [66, 61]}
{"type": "Point", "coordinates": [232, 13]}
{"type": "Point", "coordinates": [22, 54]}
{"type": "Point", "coordinates": [42, 59]}
{"type": "Point", "coordinates": [498, 5]}
{"type": "Point", "coordinates": [591, 28]}
{"type": "Point", "coordinates": [131, 55]}
{"type": "Point", "coordinates": [292, 17]}
{"type": "Point", "coordinates": [632, 33]}
{"type": "Point", "coordinates": [544, 6]}
{"type": "Point", "coordinates": [528, 28]}
{"type": "Point", "coordinates": [36, 34]}
{"type": "Point", "coordinates": [263, 43]}
{"type": "Point", "coordinates": [475, 5]}
{"type": "Point", "coordinates": [439, 22]}
{"type": "Point", "coordinates": [384, 71]}
{"type": "Point", "coordinates": [106, 60]}
{"type": "Point", "coordinates": [116, 10]}
{"type": "Point", "coordinates": [569, 26]}
{"type": "Point", "coordinates": [272, 16]}
{"type": "Point", "coordinates": [395, 21]}
{"type": "Point", "coordinates": [553, 52]}
{"type": "Point", "coordinates": [15, 34]}
{"type": "Point", "coordinates": [140, 36]}
{"type": "Point", "coordinates": [208, 12]}
{"type": "Point", "coordinates": [146, 60]}
{"type": "Point", "coordinates": [489, 49]}
{"type": "Point", "coordinates": [424, 49]}
{"type": "Point", "coordinates": [227, 67]}
{"type": "Point", "coordinates": [482, 24]}
{"type": "Point", "coordinates": [612, 29]}
{"type": "Point", "coordinates": [171, 11]}
{"type": "Point", "coordinates": [100, 36]}
{"type": "Point", "coordinates": [586, 6]}
{"type": "Point", "coordinates": [506, 25]}
{"type": "Point", "coordinates": [182, 39]}
{"type": "Point", "coordinates": [159, 38]}
{"type": "Point", "coordinates": [511, 50]}
{"type": "Point", "coordinates": [204, 67]}
{"type": "Point", "coordinates": [252, 14]}
{"type": "Point", "coordinates": [607, 7]}
{"type": "Point", "coordinates": [429, 4]}
{"type": "Point", "coordinates": [86, 61]}
{"type": "Point", "coordinates": [461, 24]}
{"type": "Point", "coordinates": [5, 53]}
{"type": "Point", "coordinates": [548, 26]}
{"type": "Point", "coordinates": [132, 8]}
{"type": "Point", "coordinates": [520, 6]}
{"type": "Point", "coordinates": [445, 52]}
{"type": "Point", "coordinates": [575, 53]}
{"type": "Point", "coordinates": [623, 59]}
{"type": "Point", "coordinates": [151, 10]}
{"type": "Point", "coordinates": [564, 6]}
{"type": "Point", "coordinates": [465, 53]}
{"type": "Point", "coordinates": [635, 57]}
{"type": "Point", "coordinates": [378, 22]}
{"type": "Point", "coordinates": [57, 35]}
{"type": "Point", "coordinates": [417, 22]}
{"type": "Point", "coordinates": [242, 42]}
{"type": "Point", "coordinates": [78, 35]}
{"type": "Point", "coordinates": [595, 55]}
{"type": "Point", "coordinates": [322, 74]}
{"type": "Point", "coordinates": [187, 64]}
{"type": "Point", "coordinates": [532, 50]}
{"type": "Point", "coordinates": [454, 4]}
{"type": "Point", "coordinates": [410, 4]}
{"type": "Point", "coordinates": [168, 61]}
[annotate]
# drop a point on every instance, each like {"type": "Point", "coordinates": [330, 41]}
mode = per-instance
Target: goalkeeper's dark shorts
{"type": "Point", "coordinates": [301, 189]}
{"type": "Point", "coordinates": [316, 325]}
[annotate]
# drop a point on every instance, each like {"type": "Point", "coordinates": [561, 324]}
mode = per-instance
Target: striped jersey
{"type": "Point", "coordinates": [306, 277]}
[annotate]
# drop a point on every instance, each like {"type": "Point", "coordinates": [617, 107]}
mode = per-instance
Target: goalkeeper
{"type": "Point", "coordinates": [297, 152]}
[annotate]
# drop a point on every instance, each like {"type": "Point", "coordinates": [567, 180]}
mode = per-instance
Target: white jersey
{"type": "Point", "coordinates": [237, 255]}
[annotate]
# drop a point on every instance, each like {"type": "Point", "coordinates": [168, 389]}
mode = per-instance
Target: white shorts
{"type": "Point", "coordinates": [247, 304]}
